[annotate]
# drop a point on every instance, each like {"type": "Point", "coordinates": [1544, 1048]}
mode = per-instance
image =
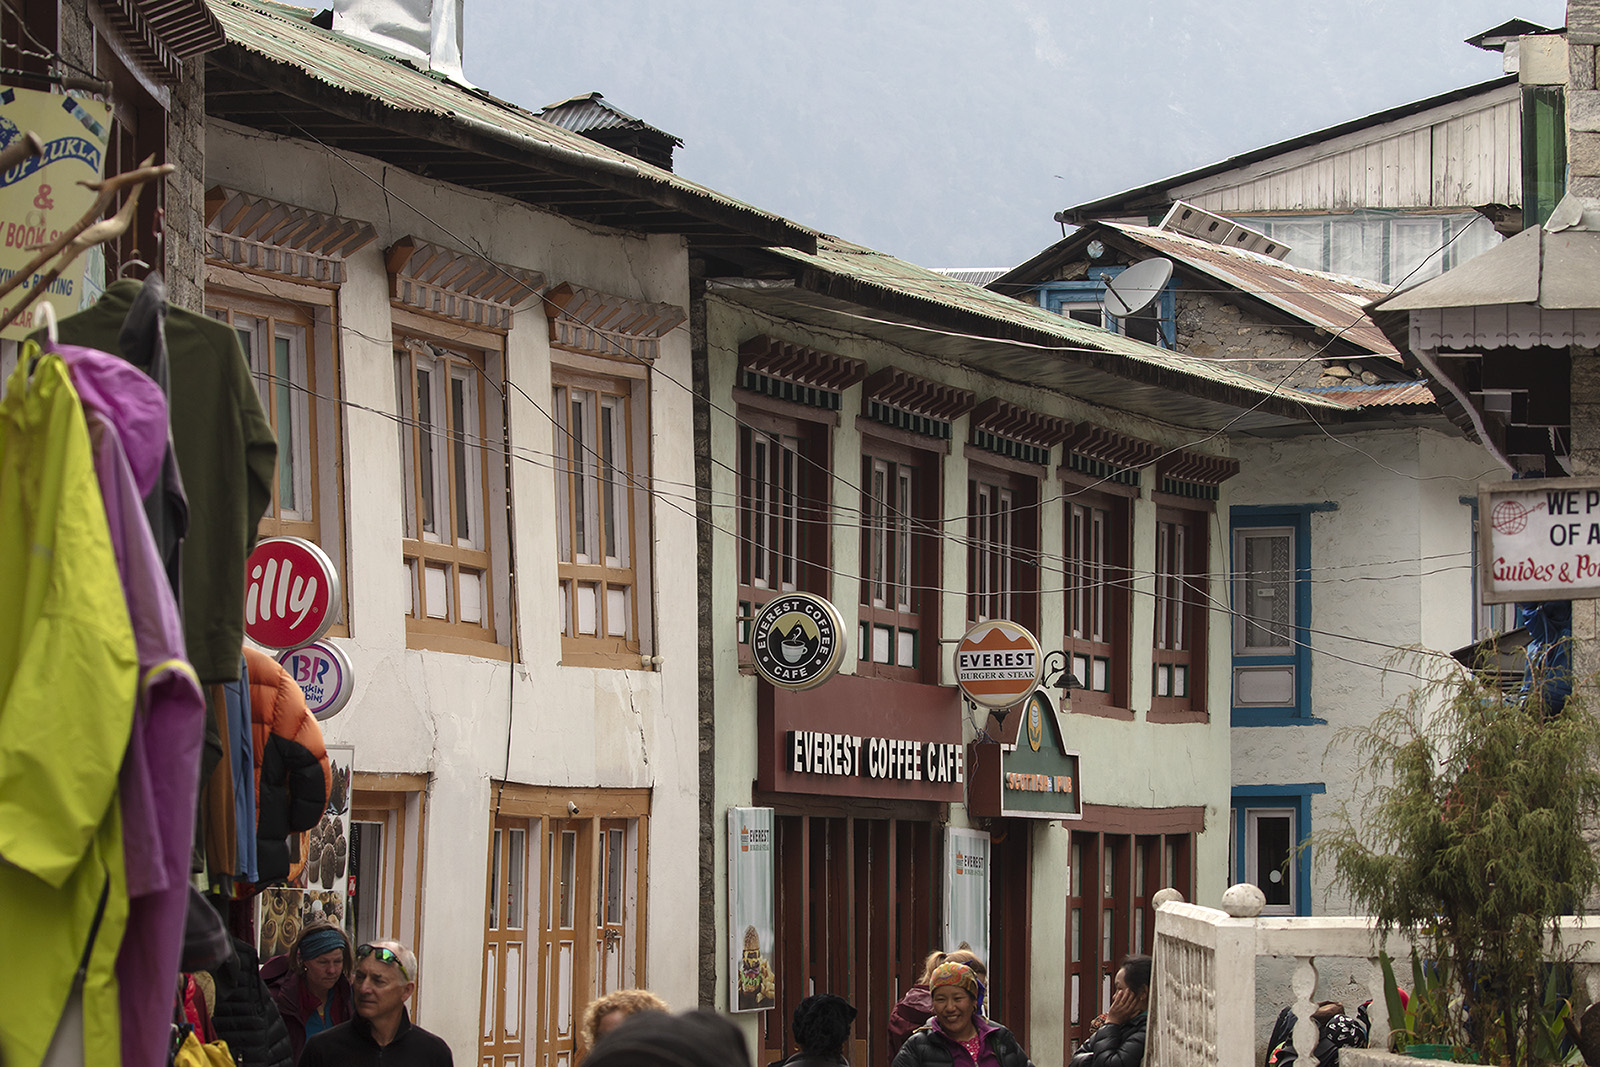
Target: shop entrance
{"type": "Point", "coordinates": [565, 918]}
{"type": "Point", "coordinates": [858, 908]}
{"type": "Point", "coordinates": [1010, 904]}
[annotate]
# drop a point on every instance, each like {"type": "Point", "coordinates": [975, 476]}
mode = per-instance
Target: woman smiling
{"type": "Point", "coordinates": [957, 1035]}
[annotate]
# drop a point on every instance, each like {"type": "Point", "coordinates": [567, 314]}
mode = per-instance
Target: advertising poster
{"type": "Point", "coordinates": [1539, 539]}
{"type": "Point", "coordinates": [41, 197]}
{"type": "Point", "coordinates": [322, 889]}
{"type": "Point", "coordinates": [751, 909]}
{"type": "Point", "coordinates": [966, 879]}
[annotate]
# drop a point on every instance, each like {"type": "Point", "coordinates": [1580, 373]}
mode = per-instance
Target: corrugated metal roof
{"type": "Point", "coordinates": [591, 111]}
{"type": "Point", "coordinates": [973, 275]}
{"type": "Point", "coordinates": [286, 36]}
{"type": "Point", "coordinates": [1031, 344]}
{"type": "Point", "coordinates": [1335, 302]}
{"type": "Point", "coordinates": [1384, 394]}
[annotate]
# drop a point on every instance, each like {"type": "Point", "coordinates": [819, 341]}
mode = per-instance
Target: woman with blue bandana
{"type": "Point", "coordinates": [958, 1035]}
{"type": "Point", "coordinates": [311, 984]}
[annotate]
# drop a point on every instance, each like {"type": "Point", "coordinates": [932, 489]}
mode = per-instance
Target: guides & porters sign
{"type": "Point", "coordinates": [1539, 539]}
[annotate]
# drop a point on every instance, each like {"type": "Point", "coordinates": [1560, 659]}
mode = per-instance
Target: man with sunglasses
{"type": "Point", "coordinates": [381, 1032]}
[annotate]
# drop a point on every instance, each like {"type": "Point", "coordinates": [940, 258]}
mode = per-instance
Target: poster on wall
{"type": "Point", "coordinates": [966, 901]}
{"type": "Point", "coordinates": [41, 197]}
{"type": "Point", "coordinates": [1539, 539]}
{"type": "Point", "coordinates": [751, 910]}
{"type": "Point", "coordinates": [322, 888]}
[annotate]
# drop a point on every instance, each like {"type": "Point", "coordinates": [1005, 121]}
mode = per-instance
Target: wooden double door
{"type": "Point", "coordinates": [563, 926]}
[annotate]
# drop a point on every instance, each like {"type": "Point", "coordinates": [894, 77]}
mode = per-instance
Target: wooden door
{"type": "Point", "coordinates": [614, 881]}
{"type": "Point", "coordinates": [567, 937]}
{"type": "Point", "coordinates": [505, 947]}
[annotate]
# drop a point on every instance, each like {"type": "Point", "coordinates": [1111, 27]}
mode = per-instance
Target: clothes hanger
{"type": "Point", "coordinates": [45, 314]}
{"type": "Point", "coordinates": [133, 263]}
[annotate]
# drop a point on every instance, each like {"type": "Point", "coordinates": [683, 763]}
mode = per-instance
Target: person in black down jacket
{"type": "Point", "coordinates": [1119, 1039]}
{"type": "Point", "coordinates": [957, 1036]}
{"type": "Point", "coordinates": [245, 1016]}
{"type": "Point", "coordinates": [657, 1039]}
{"type": "Point", "coordinates": [821, 1026]}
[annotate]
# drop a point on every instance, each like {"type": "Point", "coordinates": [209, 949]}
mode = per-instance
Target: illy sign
{"type": "Point", "coordinates": [291, 593]}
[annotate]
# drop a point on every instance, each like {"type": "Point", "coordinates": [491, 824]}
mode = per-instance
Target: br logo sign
{"type": "Point", "coordinates": [291, 593]}
{"type": "Point", "coordinates": [797, 641]}
{"type": "Point", "coordinates": [997, 664]}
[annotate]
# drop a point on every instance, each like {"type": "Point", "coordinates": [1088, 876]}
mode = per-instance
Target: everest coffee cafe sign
{"type": "Point", "coordinates": [291, 593]}
{"type": "Point", "coordinates": [997, 664]}
{"type": "Point", "coordinates": [1539, 539]}
{"type": "Point", "coordinates": [797, 641]}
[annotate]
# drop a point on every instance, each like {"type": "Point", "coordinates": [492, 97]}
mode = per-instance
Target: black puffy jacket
{"type": "Point", "coordinates": [929, 1048]}
{"type": "Point", "coordinates": [1114, 1045]}
{"type": "Point", "coordinates": [245, 1015]}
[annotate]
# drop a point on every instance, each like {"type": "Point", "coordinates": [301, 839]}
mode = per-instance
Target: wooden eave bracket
{"type": "Point", "coordinates": [1016, 423]}
{"type": "Point", "coordinates": [1197, 468]}
{"type": "Point", "coordinates": [801, 364]}
{"type": "Point", "coordinates": [612, 313]}
{"type": "Point", "coordinates": [1110, 446]}
{"type": "Point", "coordinates": [896, 388]}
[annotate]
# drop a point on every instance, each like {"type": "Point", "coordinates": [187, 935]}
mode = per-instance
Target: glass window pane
{"type": "Point", "coordinates": [568, 874]}
{"type": "Point", "coordinates": [516, 863]}
{"type": "Point", "coordinates": [588, 608]}
{"type": "Point", "coordinates": [424, 395]}
{"type": "Point", "coordinates": [1268, 606]}
{"type": "Point", "coordinates": [436, 586]}
{"type": "Point", "coordinates": [1273, 851]}
{"type": "Point", "coordinates": [460, 427]}
{"type": "Point", "coordinates": [906, 648]}
{"type": "Point", "coordinates": [471, 585]}
{"type": "Point", "coordinates": [283, 414]}
{"type": "Point", "coordinates": [614, 876]}
{"type": "Point", "coordinates": [616, 611]}
{"type": "Point", "coordinates": [494, 882]}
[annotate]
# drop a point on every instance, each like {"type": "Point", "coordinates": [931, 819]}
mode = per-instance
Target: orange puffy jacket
{"type": "Point", "coordinates": [292, 772]}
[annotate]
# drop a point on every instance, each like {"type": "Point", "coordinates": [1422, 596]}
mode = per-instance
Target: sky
{"type": "Point", "coordinates": [950, 133]}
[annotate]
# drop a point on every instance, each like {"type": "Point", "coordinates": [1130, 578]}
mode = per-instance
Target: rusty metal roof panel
{"type": "Point", "coordinates": [1385, 394]}
{"type": "Point", "coordinates": [591, 111]}
{"type": "Point", "coordinates": [1334, 302]}
{"type": "Point", "coordinates": [1057, 334]}
{"type": "Point", "coordinates": [286, 35]}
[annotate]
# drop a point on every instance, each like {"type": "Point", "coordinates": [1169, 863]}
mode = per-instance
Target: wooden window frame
{"type": "Point", "coordinates": [628, 384]}
{"type": "Point", "coordinates": [230, 296]}
{"type": "Point", "coordinates": [1002, 584]}
{"type": "Point", "coordinates": [808, 517]}
{"type": "Point", "coordinates": [1182, 602]}
{"type": "Point", "coordinates": [918, 536]}
{"type": "Point", "coordinates": [462, 355]}
{"type": "Point", "coordinates": [1099, 598]}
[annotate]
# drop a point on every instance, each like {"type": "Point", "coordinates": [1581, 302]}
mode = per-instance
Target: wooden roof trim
{"type": "Point", "coordinates": [896, 388]}
{"type": "Point", "coordinates": [1110, 446]}
{"type": "Point", "coordinates": [1004, 419]}
{"type": "Point", "coordinates": [612, 313]}
{"type": "Point", "coordinates": [270, 222]}
{"type": "Point", "coordinates": [1197, 468]}
{"type": "Point", "coordinates": [798, 363]}
{"type": "Point", "coordinates": [445, 269]}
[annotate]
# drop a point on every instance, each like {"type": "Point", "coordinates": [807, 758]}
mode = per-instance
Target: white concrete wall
{"type": "Point", "coordinates": [1125, 764]}
{"type": "Point", "coordinates": [1391, 569]}
{"type": "Point", "coordinates": [444, 714]}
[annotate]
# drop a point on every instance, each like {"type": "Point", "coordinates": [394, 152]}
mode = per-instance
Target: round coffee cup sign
{"type": "Point", "coordinates": [290, 594]}
{"type": "Point", "coordinates": [797, 641]}
{"type": "Point", "coordinates": [997, 664]}
{"type": "Point", "coordinates": [322, 671]}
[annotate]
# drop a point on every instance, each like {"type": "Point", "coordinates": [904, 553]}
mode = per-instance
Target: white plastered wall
{"type": "Point", "coordinates": [446, 715]}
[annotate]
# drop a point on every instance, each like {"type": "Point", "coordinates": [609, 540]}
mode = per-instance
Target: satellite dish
{"type": "Point", "coordinates": [1134, 289]}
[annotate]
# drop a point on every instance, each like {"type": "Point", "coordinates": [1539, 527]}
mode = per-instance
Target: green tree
{"type": "Point", "coordinates": [1468, 838]}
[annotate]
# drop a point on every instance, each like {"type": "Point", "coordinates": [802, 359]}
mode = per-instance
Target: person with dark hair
{"type": "Point", "coordinates": [916, 1007]}
{"type": "Point", "coordinates": [658, 1039]}
{"type": "Point", "coordinates": [311, 982]}
{"type": "Point", "coordinates": [958, 1033]}
{"type": "Point", "coordinates": [1118, 1040]}
{"type": "Point", "coordinates": [821, 1027]}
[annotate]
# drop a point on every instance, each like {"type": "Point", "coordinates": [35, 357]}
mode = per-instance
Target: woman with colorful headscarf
{"type": "Point", "coordinates": [958, 1035]}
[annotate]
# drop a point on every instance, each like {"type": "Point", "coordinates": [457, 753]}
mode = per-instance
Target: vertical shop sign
{"type": "Point", "coordinates": [751, 910]}
{"type": "Point", "coordinates": [41, 197]}
{"type": "Point", "coordinates": [966, 900]}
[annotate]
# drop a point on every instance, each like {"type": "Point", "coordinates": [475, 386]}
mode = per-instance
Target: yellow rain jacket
{"type": "Point", "coordinates": [68, 672]}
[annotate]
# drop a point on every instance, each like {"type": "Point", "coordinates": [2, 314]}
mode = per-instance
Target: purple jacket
{"type": "Point", "coordinates": [128, 427]}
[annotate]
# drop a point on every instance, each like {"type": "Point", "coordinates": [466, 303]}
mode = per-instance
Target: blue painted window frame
{"type": "Point", "coordinates": [1298, 518]}
{"type": "Point", "coordinates": [1052, 295]}
{"type": "Point", "coordinates": [1296, 796]}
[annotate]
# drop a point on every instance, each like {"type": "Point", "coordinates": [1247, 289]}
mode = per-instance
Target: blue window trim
{"type": "Point", "coordinates": [1053, 294]}
{"type": "Point", "coordinates": [1296, 796]}
{"type": "Point", "coordinates": [1298, 518]}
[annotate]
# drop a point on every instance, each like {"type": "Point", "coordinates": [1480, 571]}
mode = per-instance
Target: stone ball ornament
{"type": "Point", "coordinates": [1243, 901]}
{"type": "Point", "coordinates": [1165, 895]}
